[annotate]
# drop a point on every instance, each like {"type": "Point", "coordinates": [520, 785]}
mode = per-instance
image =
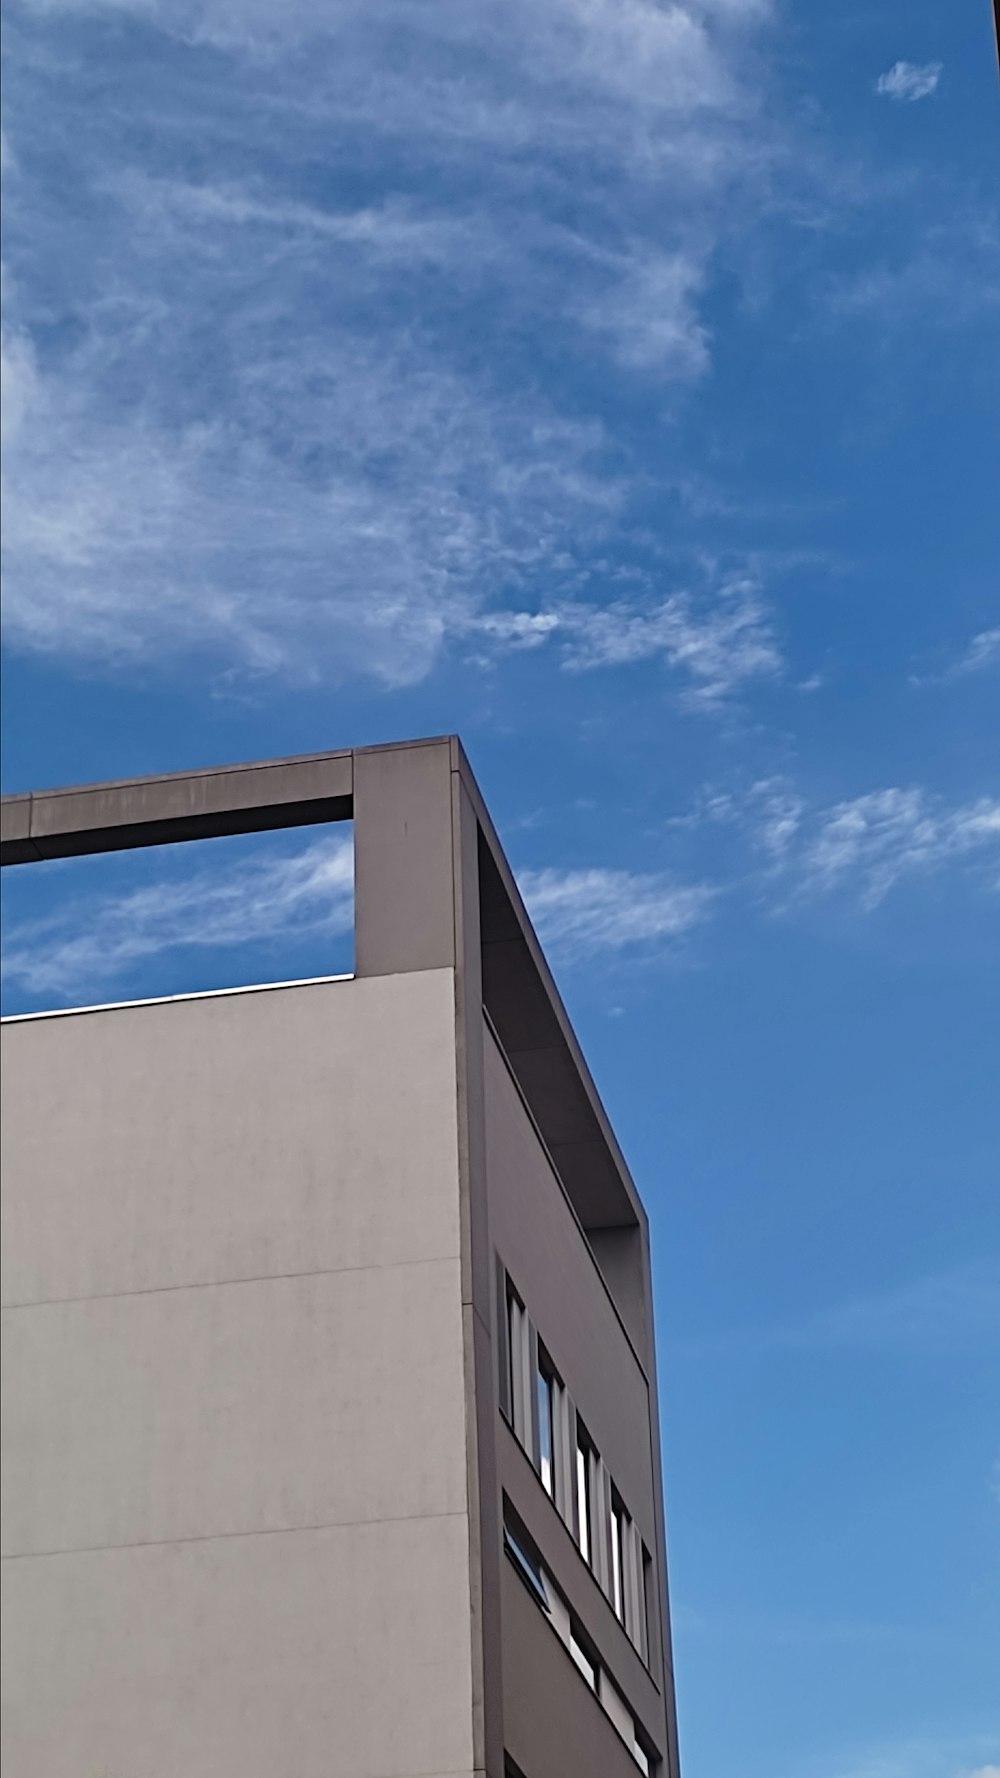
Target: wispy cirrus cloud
{"type": "Point", "coordinates": [581, 913]}
{"type": "Point", "coordinates": [979, 655]}
{"type": "Point", "coordinates": [859, 849]}
{"type": "Point", "coordinates": [392, 506]}
{"type": "Point", "coordinates": [302, 431]}
{"type": "Point", "coordinates": [277, 446]}
{"type": "Point", "coordinates": [945, 279]}
{"type": "Point", "coordinates": [91, 941]}
{"type": "Point", "coordinates": [982, 652]}
{"type": "Point", "coordinates": [649, 312]}
{"type": "Point", "coordinates": [717, 640]}
{"type": "Point", "coordinates": [909, 81]}
{"type": "Point", "coordinates": [875, 841]}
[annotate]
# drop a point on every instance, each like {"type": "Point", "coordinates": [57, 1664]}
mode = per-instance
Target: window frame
{"type": "Point", "coordinates": [586, 1457]}
{"type": "Point", "coordinates": [547, 1384]}
{"type": "Point", "coordinates": [528, 1566]}
{"type": "Point", "coordinates": [620, 1520]}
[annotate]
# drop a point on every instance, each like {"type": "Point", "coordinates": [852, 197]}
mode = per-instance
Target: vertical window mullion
{"type": "Point", "coordinates": [631, 1586]}
{"type": "Point", "coordinates": [601, 1523]}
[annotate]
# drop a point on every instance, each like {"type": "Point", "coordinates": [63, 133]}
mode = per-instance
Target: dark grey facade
{"type": "Point", "coordinates": [331, 1411]}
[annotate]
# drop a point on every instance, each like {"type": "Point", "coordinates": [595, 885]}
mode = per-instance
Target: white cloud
{"type": "Point", "coordinates": [859, 849]}
{"type": "Point", "coordinates": [980, 655]}
{"type": "Point", "coordinates": [583, 912]}
{"type": "Point", "coordinates": [951, 278]}
{"type": "Point", "coordinates": [908, 81]}
{"type": "Point", "coordinates": [650, 313]}
{"type": "Point", "coordinates": [637, 54]}
{"type": "Point", "coordinates": [717, 641]}
{"type": "Point", "coordinates": [258, 426]}
{"type": "Point", "coordinates": [983, 651]}
{"type": "Point", "coordinates": [873, 842]}
{"type": "Point", "coordinates": [777, 814]}
{"type": "Point", "coordinates": [90, 942]}
{"type": "Point", "coordinates": [18, 383]}
{"type": "Point", "coordinates": [339, 519]}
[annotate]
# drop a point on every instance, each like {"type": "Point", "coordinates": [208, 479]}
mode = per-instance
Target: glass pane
{"type": "Point", "coordinates": [513, 1352]}
{"type": "Point", "coordinates": [529, 1570]}
{"type": "Point", "coordinates": [616, 1560]}
{"type": "Point", "coordinates": [545, 1431]}
{"type": "Point", "coordinates": [583, 1501]}
{"type": "Point", "coordinates": [584, 1663]}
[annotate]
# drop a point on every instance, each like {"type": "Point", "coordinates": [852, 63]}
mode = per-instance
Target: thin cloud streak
{"type": "Point", "coordinates": [581, 913]}
{"type": "Point", "coordinates": [91, 942]}
{"type": "Point", "coordinates": [877, 840]}
{"type": "Point", "coordinates": [716, 642]}
{"type": "Point", "coordinates": [982, 653]}
{"type": "Point", "coordinates": [859, 850]}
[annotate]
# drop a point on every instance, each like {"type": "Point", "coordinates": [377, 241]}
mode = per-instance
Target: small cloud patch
{"type": "Point", "coordinates": [908, 81]}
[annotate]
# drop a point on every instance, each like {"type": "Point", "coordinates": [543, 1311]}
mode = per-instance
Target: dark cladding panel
{"type": "Point", "coordinates": [524, 1016]}
{"type": "Point", "coordinates": [553, 1724]}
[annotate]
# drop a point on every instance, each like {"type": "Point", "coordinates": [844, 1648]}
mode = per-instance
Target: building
{"type": "Point", "coordinates": [330, 1399]}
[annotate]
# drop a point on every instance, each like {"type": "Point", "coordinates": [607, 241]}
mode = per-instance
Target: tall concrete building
{"type": "Point", "coordinates": [330, 1399]}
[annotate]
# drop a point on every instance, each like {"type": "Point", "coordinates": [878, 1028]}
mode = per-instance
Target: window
{"type": "Point", "coordinates": [527, 1565]}
{"type": "Point", "coordinates": [587, 1667]}
{"type": "Point", "coordinates": [536, 1405]}
{"type": "Point", "coordinates": [584, 1518]}
{"type": "Point", "coordinates": [544, 1384]}
{"type": "Point", "coordinates": [514, 1313]}
{"type": "Point", "coordinates": [647, 1603]}
{"type": "Point", "coordinates": [516, 1383]}
{"type": "Point", "coordinates": [521, 1551]}
{"type": "Point", "coordinates": [618, 1517]}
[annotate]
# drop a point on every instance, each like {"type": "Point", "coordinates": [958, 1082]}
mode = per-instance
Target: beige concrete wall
{"type": "Point", "coordinates": [236, 1518]}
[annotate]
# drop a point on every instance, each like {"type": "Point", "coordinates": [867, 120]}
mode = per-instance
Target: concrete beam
{"type": "Point", "coordinates": [177, 806]}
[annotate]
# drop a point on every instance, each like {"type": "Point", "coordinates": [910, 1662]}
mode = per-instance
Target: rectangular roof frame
{"type": "Point", "coordinates": [519, 992]}
{"type": "Point", "coordinates": [176, 806]}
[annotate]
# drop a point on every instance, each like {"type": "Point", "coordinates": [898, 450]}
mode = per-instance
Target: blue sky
{"type": "Point", "coordinates": [616, 384]}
